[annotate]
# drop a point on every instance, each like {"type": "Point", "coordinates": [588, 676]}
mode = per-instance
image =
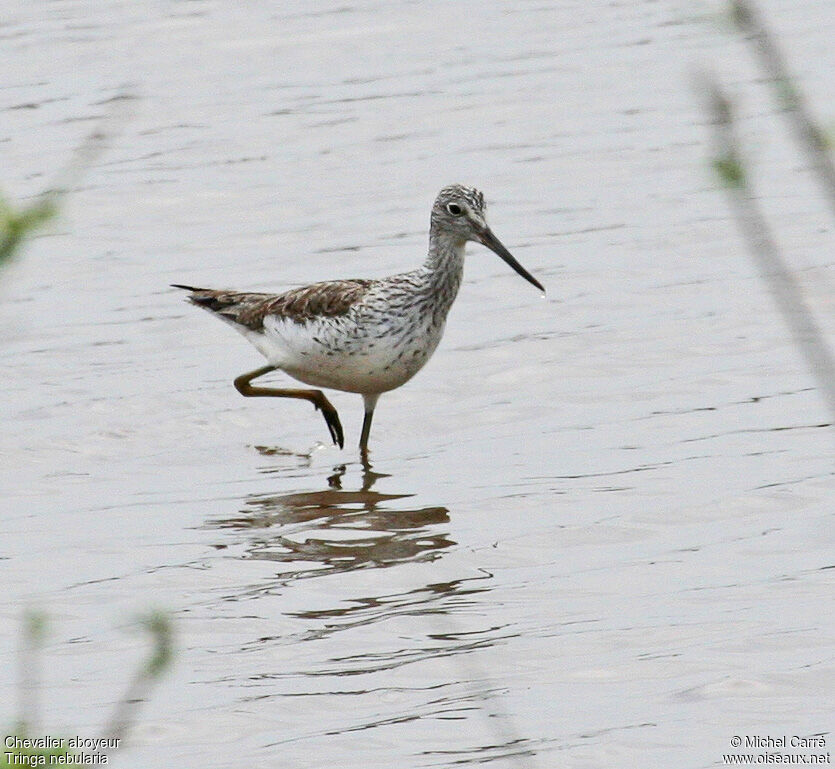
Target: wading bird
{"type": "Point", "coordinates": [360, 336]}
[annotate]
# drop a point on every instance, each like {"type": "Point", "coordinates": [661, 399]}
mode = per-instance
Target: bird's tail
{"type": "Point", "coordinates": [236, 307]}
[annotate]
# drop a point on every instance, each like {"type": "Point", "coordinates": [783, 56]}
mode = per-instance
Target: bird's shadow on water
{"type": "Point", "coordinates": [336, 529]}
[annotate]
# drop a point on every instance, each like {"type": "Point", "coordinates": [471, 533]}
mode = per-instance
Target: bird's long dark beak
{"type": "Point", "coordinates": [488, 239]}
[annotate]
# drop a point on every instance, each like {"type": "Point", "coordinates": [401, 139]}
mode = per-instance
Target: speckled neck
{"type": "Point", "coordinates": [443, 270]}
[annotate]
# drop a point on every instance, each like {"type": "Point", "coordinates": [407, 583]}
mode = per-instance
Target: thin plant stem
{"type": "Point", "coordinates": [31, 643]}
{"type": "Point", "coordinates": [17, 225]}
{"type": "Point", "coordinates": [812, 138]}
{"type": "Point", "coordinates": [763, 247]}
{"type": "Point", "coordinates": [160, 628]}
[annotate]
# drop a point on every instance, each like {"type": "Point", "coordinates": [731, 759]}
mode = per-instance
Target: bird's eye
{"type": "Point", "coordinates": [454, 209]}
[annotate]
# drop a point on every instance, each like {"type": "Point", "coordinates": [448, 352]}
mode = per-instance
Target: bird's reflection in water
{"type": "Point", "coordinates": [336, 529]}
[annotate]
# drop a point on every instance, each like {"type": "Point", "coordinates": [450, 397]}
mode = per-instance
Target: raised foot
{"type": "Point", "coordinates": [244, 386]}
{"type": "Point", "coordinates": [331, 419]}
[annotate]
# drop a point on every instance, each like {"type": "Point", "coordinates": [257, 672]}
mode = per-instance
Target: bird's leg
{"type": "Point", "coordinates": [316, 397]}
{"type": "Point", "coordinates": [370, 402]}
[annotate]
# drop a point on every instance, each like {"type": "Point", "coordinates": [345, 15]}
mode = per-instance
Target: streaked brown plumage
{"type": "Point", "coordinates": [300, 305]}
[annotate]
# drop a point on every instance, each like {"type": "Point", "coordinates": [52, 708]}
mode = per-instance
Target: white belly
{"type": "Point", "coordinates": [341, 356]}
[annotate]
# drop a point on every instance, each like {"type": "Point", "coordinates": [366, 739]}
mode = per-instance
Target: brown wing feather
{"type": "Point", "coordinates": [300, 305]}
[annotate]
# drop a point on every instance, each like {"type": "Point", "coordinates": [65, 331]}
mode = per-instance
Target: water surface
{"type": "Point", "coordinates": [597, 527]}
